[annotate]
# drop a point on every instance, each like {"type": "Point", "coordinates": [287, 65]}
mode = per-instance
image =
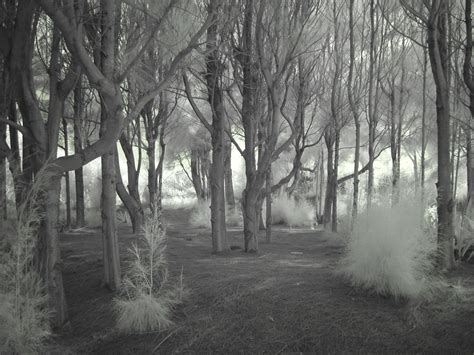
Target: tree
{"type": "Point", "coordinates": [213, 80]}
{"type": "Point", "coordinates": [436, 21]}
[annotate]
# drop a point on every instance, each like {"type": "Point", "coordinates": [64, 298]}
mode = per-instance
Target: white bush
{"type": "Point", "coordinates": [201, 215]}
{"type": "Point", "coordinates": [148, 297]}
{"type": "Point", "coordinates": [287, 211]}
{"type": "Point", "coordinates": [389, 253]}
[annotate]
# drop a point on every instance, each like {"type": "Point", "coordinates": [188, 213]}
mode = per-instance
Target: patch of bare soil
{"type": "Point", "coordinates": [286, 298]}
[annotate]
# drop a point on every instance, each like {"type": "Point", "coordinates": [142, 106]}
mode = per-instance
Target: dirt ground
{"type": "Point", "coordinates": [286, 298]}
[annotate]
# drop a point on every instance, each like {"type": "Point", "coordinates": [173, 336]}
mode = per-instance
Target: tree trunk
{"type": "Point", "coordinates": [268, 199]}
{"type": "Point", "coordinates": [3, 178]}
{"type": "Point", "coordinates": [229, 186]}
{"type": "Point", "coordinates": [217, 176]}
{"type": "Point", "coordinates": [355, 114]}
{"type": "Point", "coordinates": [133, 207]}
{"type": "Point", "coordinates": [50, 266]}
{"type": "Point", "coordinates": [329, 198]}
{"type": "Point", "coordinates": [334, 181]}
{"type": "Point", "coordinates": [78, 173]}
{"type": "Point", "coordinates": [371, 110]}
{"type": "Point", "coordinates": [108, 196]}
{"type": "Point", "coordinates": [130, 196]}
{"type": "Point", "coordinates": [66, 177]}
{"type": "Point", "coordinates": [437, 46]}
{"type": "Point", "coordinates": [109, 229]}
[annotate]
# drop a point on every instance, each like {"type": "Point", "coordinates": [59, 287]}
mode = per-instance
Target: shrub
{"type": "Point", "coordinates": [24, 323]}
{"type": "Point", "coordinates": [201, 215]}
{"type": "Point", "coordinates": [389, 253]}
{"type": "Point", "coordinates": [148, 298]}
{"type": "Point", "coordinates": [287, 211]}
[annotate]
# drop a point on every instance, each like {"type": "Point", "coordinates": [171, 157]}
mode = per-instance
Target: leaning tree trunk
{"type": "Point", "coordinates": [132, 205]}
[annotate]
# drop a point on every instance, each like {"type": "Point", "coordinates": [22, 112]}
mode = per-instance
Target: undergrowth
{"type": "Point", "coordinates": [201, 215]}
{"type": "Point", "coordinates": [24, 323]}
{"type": "Point", "coordinates": [389, 253]}
{"type": "Point", "coordinates": [148, 297]}
{"type": "Point", "coordinates": [286, 210]}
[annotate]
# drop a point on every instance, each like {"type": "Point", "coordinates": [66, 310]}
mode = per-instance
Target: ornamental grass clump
{"type": "Point", "coordinates": [389, 253]}
{"type": "Point", "coordinates": [148, 297]}
{"type": "Point", "coordinates": [24, 317]}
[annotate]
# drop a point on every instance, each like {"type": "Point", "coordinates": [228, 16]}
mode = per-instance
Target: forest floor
{"type": "Point", "coordinates": [286, 298]}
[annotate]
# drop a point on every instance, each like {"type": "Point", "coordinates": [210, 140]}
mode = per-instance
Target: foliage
{"type": "Point", "coordinates": [389, 253]}
{"type": "Point", "coordinates": [148, 297]}
{"type": "Point", "coordinates": [23, 302]}
{"type": "Point", "coordinates": [286, 210]}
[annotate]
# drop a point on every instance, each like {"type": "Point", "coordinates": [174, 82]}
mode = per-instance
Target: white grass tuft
{"type": "Point", "coordinates": [389, 253]}
{"type": "Point", "coordinates": [148, 297]}
{"type": "Point", "coordinates": [287, 211]}
{"type": "Point", "coordinates": [24, 318]}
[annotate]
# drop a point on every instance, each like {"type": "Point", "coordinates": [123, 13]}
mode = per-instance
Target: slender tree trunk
{"type": "Point", "coordinates": [355, 113]}
{"type": "Point", "coordinates": [229, 186]}
{"type": "Point", "coordinates": [423, 125]}
{"type": "Point", "coordinates": [268, 199]}
{"type": "Point", "coordinates": [78, 173]}
{"type": "Point", "coordinates": [66, 177]}
{"type": "Point", "coordinates": [196, 175]}
{"type": "Point", "coordinates": [334, 181]}
{"type": "Point", "coordinates": [3, 178]}
{"type": "Point", "coordinates": [468, 75]}
{"type": "Point", "coordinates": [371, 109]}
{"type": "Point", "coordinates": [159, 168]}
{"type": "Point", "coordinates": [329, 198]}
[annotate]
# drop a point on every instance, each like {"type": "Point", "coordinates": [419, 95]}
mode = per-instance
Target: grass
{"type": "Point", "coordinates": [24, 317]}
{"type": "Point", "coordinates": [389, 253]}
{"type": "Point", "coordinates": [271, 302]}
{"type": "Point", "coordinates": [148, 297]}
